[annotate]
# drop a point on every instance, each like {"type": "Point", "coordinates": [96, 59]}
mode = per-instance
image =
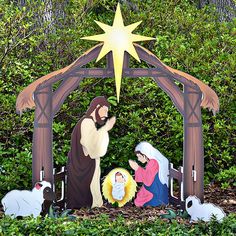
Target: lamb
{"type": "Point", "coordinates": [26, 203]}
{"type": "Point", "coordinates": [204, 211]}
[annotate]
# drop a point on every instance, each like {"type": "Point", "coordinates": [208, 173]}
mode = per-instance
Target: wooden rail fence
{"type": "Point", "coordinates": [175, 186]}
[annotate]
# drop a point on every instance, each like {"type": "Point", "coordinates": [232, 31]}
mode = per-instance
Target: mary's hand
{"type": "Point", "coordinates": [133, 165]}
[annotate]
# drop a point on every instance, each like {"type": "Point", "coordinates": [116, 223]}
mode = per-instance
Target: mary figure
{"type": "Point", "coordinates": [155, 176]}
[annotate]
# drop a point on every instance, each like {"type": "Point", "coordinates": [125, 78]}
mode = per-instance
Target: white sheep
{"type": "Point", "coordinates": [204, 211]}
{"type": "Point", "coordinates": [26, 203]}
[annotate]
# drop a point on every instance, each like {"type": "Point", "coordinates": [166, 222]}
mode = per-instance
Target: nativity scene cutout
{"type": "Point", "coordinates": [155, 176]}
{"type": "Point", "coordinates": [119, 187]}
{"type": "Point", "coordinates": [90, 137]}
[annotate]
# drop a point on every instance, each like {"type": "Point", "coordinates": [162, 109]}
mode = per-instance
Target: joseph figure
{"type": "Point", "coordinates": [89, 142]}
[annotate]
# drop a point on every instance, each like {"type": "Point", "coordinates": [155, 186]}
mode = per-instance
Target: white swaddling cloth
{"type": "Point", "coordinates": [118, 190]}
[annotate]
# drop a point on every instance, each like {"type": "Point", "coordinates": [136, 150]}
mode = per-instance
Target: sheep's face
{"type": "Point", "coordinates": [191, 203]}
{"type": "Point", "coordinates": [48, 194]}
{"type": "Point", "coordinates": [46, 189]}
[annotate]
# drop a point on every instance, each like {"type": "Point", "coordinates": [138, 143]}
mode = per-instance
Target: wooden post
{"type": "Point", "coordinates": [42, 137]}
{"type": "Point", "coordinates": [109, 61]}
{"type": "Point", "coordinates": [193, 144]}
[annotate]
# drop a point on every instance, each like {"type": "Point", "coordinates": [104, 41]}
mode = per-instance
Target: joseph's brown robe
{"type": "Point", "coordinates": [83, 169]}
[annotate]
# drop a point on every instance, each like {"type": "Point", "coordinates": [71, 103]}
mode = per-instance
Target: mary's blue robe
{"type": "Point", "coordinates": [160, 193]}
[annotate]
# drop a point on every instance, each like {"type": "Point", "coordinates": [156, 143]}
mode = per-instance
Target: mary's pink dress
{"type": "Point", "coordinates": [146, 176]}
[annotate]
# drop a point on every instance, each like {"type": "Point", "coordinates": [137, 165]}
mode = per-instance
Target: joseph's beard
{"type": "Point", "coordinates": [99, 121]}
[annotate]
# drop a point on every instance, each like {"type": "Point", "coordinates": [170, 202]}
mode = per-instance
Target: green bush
{"type": "Point", "coordinates": [188, 39]}
{"type": "Point", "coordinates": [102, 225]}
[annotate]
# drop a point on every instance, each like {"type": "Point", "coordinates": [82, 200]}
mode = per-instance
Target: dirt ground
{"type": "Point", "coordinates": [226, 199]}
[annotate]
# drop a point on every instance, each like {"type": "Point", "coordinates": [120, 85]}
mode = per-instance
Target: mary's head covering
{"type": "Point", "coordinates": [152, 153]}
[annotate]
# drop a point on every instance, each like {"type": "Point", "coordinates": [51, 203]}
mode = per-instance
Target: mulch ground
{"type": "Point", "coordinates": [226, 199]}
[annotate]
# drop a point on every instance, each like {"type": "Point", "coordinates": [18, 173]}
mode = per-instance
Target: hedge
{"type": "Point", "coordinates": [188, 39]}
{"type": "Point", "coordinates": [102, 225]}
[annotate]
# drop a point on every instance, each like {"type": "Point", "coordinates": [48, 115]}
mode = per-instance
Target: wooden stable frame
{"type": "Point", "coordinates": [188, 102]}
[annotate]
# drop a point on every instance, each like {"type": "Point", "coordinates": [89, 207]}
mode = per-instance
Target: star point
{"type": "Point", "coordinates": [118, 39]}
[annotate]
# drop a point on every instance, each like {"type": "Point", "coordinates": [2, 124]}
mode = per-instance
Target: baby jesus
{"type": "Point", "coordinates": [118, 188]}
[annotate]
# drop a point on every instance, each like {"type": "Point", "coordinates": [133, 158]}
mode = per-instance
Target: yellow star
{"type": "Point", "coordinates": [118, 39]}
